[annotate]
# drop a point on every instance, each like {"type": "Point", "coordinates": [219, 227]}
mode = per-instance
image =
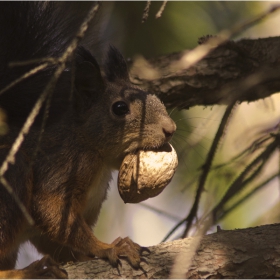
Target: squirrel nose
{"type": "Point", "coordinates": [168, 129]}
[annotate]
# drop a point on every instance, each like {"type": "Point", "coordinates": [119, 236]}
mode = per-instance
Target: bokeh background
{"type": "Point", "coordinates": [179, 28]}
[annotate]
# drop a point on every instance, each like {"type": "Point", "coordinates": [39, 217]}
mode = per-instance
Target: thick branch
{"type": "Point", "coordinates": [244, 253]}
{"type": "Point", "coordinates": [246, 70]}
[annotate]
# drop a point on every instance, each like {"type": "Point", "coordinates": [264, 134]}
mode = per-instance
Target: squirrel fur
{"type": "Point", "coordinates": [96, 116]}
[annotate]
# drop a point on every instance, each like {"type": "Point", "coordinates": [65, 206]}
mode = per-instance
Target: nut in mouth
{"type": "Point", "coordinates": [146, 173]}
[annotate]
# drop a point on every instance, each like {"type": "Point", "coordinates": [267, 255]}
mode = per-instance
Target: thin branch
{"type": "Point", "coordinates": [180, 223]}
{"type": "Point", "coordinates": [207, 165]}
{"type": "Point", "coordinates": [24, 76]}
{"type": "Point", "coordinates": [159, 13]}
{"type": "Point", "coordinates": [10, 159]}
{"type": "Point", "coordinates": [248, 150]}
{"type": "Point", "coordinates": [146, 11]}
{"type": "Point", "coordinates": [246, 197]}
{"type": "Point", "coordinates": [160, 212]}
{"type": "Point", "coordinates": [240, 181]}
{"type": "Point", "coordinates": [49, 60]}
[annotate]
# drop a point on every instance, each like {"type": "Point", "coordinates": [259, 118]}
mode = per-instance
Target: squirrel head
{"type": "Point", "coordinates": [119, 118]}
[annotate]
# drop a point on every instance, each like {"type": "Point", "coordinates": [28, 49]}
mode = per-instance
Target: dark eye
{"type": "Point", "coordinates": [120, 108]}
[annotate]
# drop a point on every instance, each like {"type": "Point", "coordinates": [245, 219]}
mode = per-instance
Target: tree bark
{"type": "Point", "coordinates": [243, 253]}
{"type": "Point", "coordinates": [246, 70]}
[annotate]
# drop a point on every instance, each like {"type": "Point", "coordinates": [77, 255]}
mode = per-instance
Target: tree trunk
{"type": "Point", "coordinates": [243, 253]}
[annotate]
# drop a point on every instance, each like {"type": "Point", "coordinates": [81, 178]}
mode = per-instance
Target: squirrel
{"type": "Point", "coordinates": [94, 118]}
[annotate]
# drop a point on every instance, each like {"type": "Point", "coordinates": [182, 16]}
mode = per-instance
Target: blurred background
{"type": "Point", "coordinates": [179, 28]}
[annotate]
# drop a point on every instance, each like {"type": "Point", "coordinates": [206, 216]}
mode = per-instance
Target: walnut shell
{"type": "Point", "coordinates": [146, 173]}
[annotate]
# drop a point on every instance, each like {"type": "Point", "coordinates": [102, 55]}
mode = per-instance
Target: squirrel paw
{"type": "Point", "coordinates": [43, 269]}
{"type": "Point", "coordinates": [125, 247]}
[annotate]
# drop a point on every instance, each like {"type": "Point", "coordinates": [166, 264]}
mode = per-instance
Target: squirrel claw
{"type": "Point", "coordinates": [115, 262]}
{"type": "Point", "coordinates": [124, 248]}
{"type": "Point", "coordinates": [145, 249]}
{"type": "Point", "coordinates": [144, 260]}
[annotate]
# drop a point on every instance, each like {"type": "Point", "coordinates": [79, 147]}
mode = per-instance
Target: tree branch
{"type": "Point", "coordinates": [243, 253]}
{"type": "Point", "coordinates": [246, 70]}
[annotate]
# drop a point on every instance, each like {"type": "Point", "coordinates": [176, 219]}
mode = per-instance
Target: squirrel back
{"type": "Point", "coordinates": [96, 117]}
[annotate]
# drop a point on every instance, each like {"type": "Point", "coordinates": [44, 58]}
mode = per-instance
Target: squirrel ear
{"type": "Point", "coordinates": [88, 82]}
{"type": "Point", "coordinates": [115, 66]}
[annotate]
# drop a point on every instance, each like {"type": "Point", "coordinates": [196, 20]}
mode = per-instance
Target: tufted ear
{"type": "Point", "coordinates": [88, 80]}
{"type": "Point", "coordinates": [115, 66]}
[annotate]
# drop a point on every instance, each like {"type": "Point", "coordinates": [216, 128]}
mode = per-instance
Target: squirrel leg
{"type": "Point", "coordinates": [125, 247]}
{"type": "Point", "coordinates": [58, 252]}
{"type": "Point", "coordinates": [72, 231]}
{"type": "Point", "coordinates": [120, 247]}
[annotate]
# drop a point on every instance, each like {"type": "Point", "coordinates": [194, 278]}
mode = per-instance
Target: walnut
{"type": "Point", "coordinates": [146, 173]}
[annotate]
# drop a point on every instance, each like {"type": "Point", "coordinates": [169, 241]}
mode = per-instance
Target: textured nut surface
{"type": "Point", "coordinates": [146, 173]}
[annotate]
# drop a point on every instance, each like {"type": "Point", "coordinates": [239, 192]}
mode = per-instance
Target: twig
{"type": "Point", "coordinates": [248, 150]}
{"type": "Point", "coordinates": [160, 212]}
{"type": "Point", "coordinates": [24, 76]}
{"type": "Point", "coordinates": [207, 166]}
{"type": "Point", "coordinates": [244, 198]}
{"type": "Point", "coordinates": [146, 11]}
{"type": "Point", "coordinates": [240, 181]}
{"type": "Point", "coordinates": [49, 60]}
{"type": "Point", "coordinates": [159, 13]}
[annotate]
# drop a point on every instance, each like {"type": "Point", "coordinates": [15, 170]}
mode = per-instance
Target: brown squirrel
{"type": "Point", "coordinates": [89, 130]}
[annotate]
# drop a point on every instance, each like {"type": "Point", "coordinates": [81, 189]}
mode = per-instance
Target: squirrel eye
{"type": "Point", "coordinates": [120, 108]}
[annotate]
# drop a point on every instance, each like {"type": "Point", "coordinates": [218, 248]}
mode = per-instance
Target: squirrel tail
{"type": "Point", "coordinates": [35, 30]}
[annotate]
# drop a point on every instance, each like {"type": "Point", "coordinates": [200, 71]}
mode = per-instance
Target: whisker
{"type": "Point", "coordinates": [191, 118]}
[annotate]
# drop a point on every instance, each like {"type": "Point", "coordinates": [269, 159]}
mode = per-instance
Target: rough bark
{"type": "Point", "coordinates": [243, 253]}
{"type": "Point", "coordinates": [246, 70]}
